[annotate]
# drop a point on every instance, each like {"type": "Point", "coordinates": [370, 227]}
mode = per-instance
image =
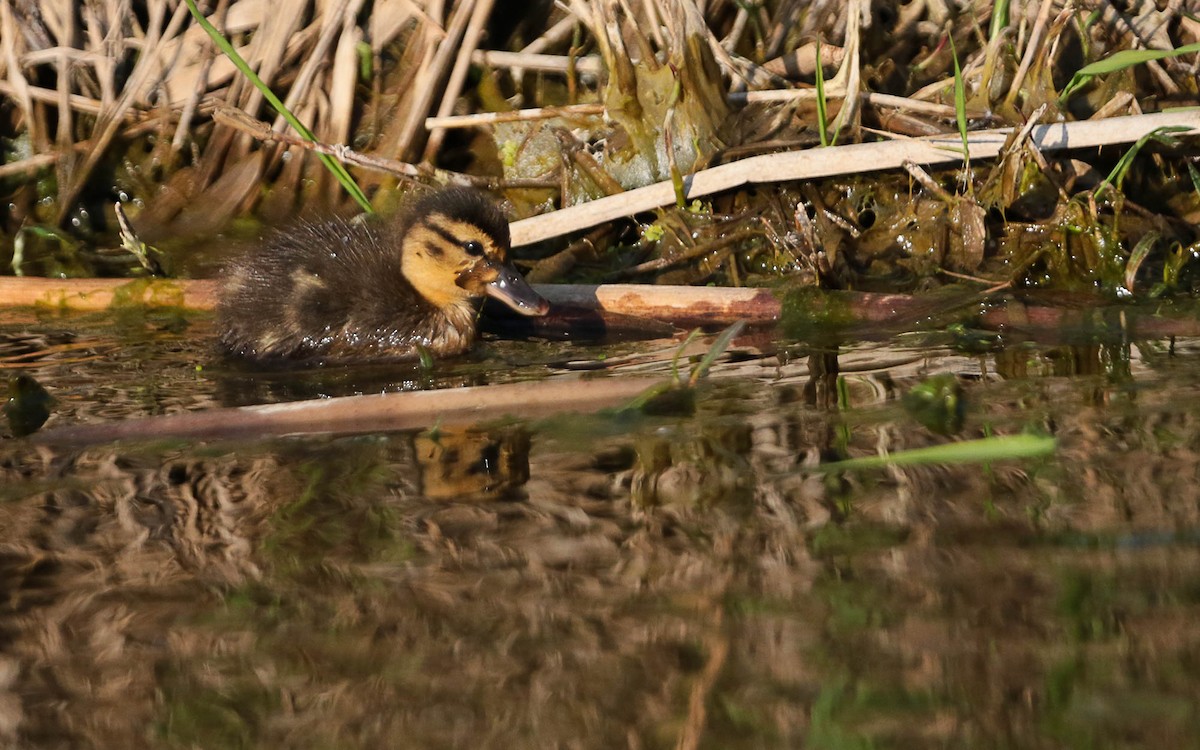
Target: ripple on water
{"type": "Point", "coordinates": [602, 576]}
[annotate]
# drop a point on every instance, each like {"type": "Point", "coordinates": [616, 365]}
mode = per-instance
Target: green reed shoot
{"type": "Point", "coordinates": [966, 452]}
{"type": "Point", "coordinates": [960, 113]}
{"type": "Point", "coordinates": [692, 336]}
{"type": "Point", "coordinates": [999, 20]}
{"type": "Point", "coordinates": [676, 174]}
{"type": "Point", "coordinates": [333, 165]}
{"type": "Point", "coordinates": [719, 345]}
{"type": "Point", "coordinates": [822, 103]}
{"type": "Point", "coordinates": [1119, 61]}
{"type": "Point", "coordinates": [1117, 176]}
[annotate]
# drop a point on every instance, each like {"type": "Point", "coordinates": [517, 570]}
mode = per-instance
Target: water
{"type": "Point", "coordinates": [607, 580]}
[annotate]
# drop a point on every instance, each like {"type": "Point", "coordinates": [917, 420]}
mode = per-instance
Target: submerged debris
{"type": "Point", "coordinates": [28, 406]}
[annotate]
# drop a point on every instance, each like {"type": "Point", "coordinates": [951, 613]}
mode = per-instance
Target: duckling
{"type": "Point", "coordinates": [339, 291]}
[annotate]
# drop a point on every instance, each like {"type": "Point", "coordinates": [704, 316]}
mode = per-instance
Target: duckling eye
{"type": "Point", "coordinates": [472, 247]}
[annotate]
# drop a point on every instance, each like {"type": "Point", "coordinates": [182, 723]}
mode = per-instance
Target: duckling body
{"type": "Point", "coordinates": [339, 291]}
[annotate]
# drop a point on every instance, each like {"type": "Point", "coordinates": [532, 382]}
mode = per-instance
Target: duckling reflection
{"type": "Point", "coordinates": [472, 464]}
{"type": "Point", "coordinates": [374, 291]}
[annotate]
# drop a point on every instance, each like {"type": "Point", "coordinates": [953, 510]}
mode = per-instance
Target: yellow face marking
{"type": "Point", "coordinates": [436, 261]}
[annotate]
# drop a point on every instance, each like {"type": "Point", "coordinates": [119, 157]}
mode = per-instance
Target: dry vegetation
{"type": "Point", "coordinates": [553, 105]}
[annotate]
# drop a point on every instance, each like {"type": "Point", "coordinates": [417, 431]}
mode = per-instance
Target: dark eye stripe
{"type": "Point", "coordinates": [443, 233]}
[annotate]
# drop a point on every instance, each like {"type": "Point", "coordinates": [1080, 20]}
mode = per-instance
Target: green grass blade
{"type": "Point", "coordinates": [1117, 175]}
{"type": "Point", "coordinates": [718, 348]}
{"type": "Point", "coordinates": [333, 165]}
{"type": "Point", "coordinates": [999, 19]}
{"type": "Point", "coordinates": [967, 452]}
{"type": "Point", "coordinates": [1122, 60]}
{"type": "Point", "coordinates": [692, 336]}
{"type": "Point", "coordinates": [1195, 175]}
{"type": "Point", "coordinates": [822, 103]}
{"type": "Point", "coordinates": [960, 108]}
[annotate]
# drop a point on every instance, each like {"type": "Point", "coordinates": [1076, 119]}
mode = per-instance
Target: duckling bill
{"type": "Point", "coordinates": [374, 291]}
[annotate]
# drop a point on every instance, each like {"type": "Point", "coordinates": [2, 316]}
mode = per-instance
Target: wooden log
{"type": "Point", "coordinates": [694, 305]}
{"type": "Point", "coordinates": [626, 306]}
{"type": "Point", "coordinates": [680, 305]}
{"type": "Point", "coordinates": [361, 414]}
{"type": "Point", "coordinates": [95, 295]}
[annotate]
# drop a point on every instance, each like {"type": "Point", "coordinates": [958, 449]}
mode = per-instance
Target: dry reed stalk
{"type": "Point", "coordinates": [239, 120]}
{"type": "Point", "coordinates": [559, 32]}
{"type": "Point", "coordinates": [1122, 101]}
{"type": "Point", "coordinates": [102, 42]}
{"type": "Point", "coordinates": [331, 22]}
{"type": "Point", "coordinates": [1032, 49]}
{"type": "Point", "coordinates": [361, 414]}
{"type": "Point", "coordinates": [190, 50]}
{"type": "Point", "coordinates": [697, 251]}
{"type": "Point", "coordinates": [343, 78]}
{"type": "Point", "coordinates": [334, 97]}
{"type": "Point", "coordinates": [789, 14]}
{"type": "Point", "coordinates": [9, 35]}
{"type": "Point", "coordinates": [480, 11]}
{"type": "Point", "coordinates": [841, 160]}
{"type": "Point", "coordinates": [320, 38]}
{"type": "Point", "coordinates": [848, 78]}
{"type": "Point", "coordinates": [521, 115]}
{"type": "Point", "coordinates": [867, 97]}
{"type": "Point", "coordinates": [402, 120]}
{"type": "Point", "coordinates": [107, 123]}
{"type": "Point", "coordinates": [279, 27]}
{"type": "Point", "coordinates": [588, 65]}
{"type": "Point", "coordinates": [63, 101]}
{"type": "Point", "coordinates": [77, 102]}
{"type": "Point", "coordinates": [429, 77]}
{"type": "Point", "coordinates": [32, 164]}
{"type": "Point", "coordinates": [740, 22]}
{"type": "Point", "coordinates": [207, 58]}
{"type": "Point", "coordinates": [744, 97]}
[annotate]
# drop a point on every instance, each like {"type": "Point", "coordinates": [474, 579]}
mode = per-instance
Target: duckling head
{"type": "Point", "coordinates": [454, 250]}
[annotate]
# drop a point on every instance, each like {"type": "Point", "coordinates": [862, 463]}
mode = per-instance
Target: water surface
{"type": "Point", "coordinates": [608, 580]}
